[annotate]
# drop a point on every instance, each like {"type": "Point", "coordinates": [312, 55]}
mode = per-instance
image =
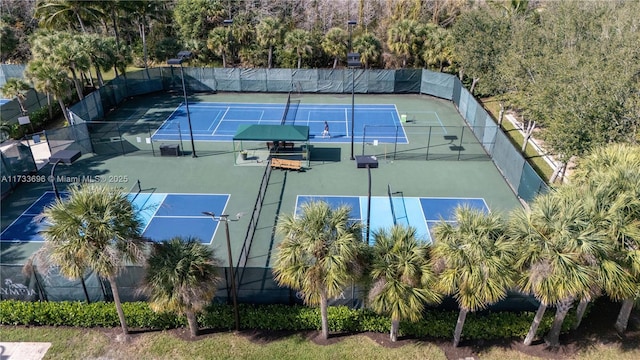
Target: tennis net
{"type": "Point", "coordinates": [286, 109]}
{"type": "Point", "coordinates": [135, 190]}
{"type": "Point", "coordinates": [393, 210]}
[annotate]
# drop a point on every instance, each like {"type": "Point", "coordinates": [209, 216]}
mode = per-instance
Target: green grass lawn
{"type": "Point", "coordinates": [70, 343]}
{"type": "Point", "coordinates": [90, 343]}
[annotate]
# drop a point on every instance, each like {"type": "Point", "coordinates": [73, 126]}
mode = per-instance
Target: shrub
{"type": "Point", "coordinates": [435, 324]}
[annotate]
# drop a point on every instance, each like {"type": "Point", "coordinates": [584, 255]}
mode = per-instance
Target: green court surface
{"type": "Point", "coordinates": [216, 170]}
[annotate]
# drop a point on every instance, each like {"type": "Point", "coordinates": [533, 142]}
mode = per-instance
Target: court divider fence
{"type": "Point", "coordinates": [451, 143]}
{"type": "Point", "coordinates": [253, 223]}
{"type": "Point", "coordinates": [525, 182]}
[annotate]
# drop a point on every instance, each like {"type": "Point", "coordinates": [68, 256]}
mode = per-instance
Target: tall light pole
{"type": "Point", "coordinates": [234, 291]}
{"type": "Point", "coordinates": [62, 156]}
{"type": "Point", "coordinates": [353, 62]}
{"type": "Point", "coordinates": [368, 162]}
{"type": "Point", "coordinates": [182, 57]}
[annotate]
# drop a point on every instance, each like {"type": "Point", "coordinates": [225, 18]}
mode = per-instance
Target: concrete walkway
{"type": "Point", "coordinates": [23, 350]}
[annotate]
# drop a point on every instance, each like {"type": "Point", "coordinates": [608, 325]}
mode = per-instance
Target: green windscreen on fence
{"type": "Point", "coordinates": [17, 159]}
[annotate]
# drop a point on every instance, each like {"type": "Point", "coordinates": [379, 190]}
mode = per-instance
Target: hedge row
{"type": "Point", "coordinates": [436, 324]}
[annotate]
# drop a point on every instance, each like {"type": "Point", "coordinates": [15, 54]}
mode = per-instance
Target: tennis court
{"type": "Point", "coordinates": [163, 216]}
{"type": "Point", "coordinates": [4, 101]}
{"type": "Point", "coordinates": [386, 211]}
{"type": "Point", "coordinates": [220, 121]}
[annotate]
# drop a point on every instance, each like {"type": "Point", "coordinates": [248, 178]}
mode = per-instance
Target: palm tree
{"type": "Point", "coordinates": [243, 30]}
{"type": "Point", "coordinates": [16, 88]}
{"type": "Point", "coordinates": [320, 254]}
{"type": "Point", "coordinates": [369, 48]}
{"type": "Point", "coordinates": [95, 228]}
{"type": "Point", "coordinates": [612, 175]}
{"type": "Point", "coordinates": [559, 256]}
{"type": "Point", "coordinates": [298, 42]}
{"type": "Point", "coordinates": [50, 78]}
{"type": "Point", "coordinates": [401, 38]}
{"type": "Point", "coordinates": [62, 14]}
{"type": "Point", "coordinates": [335, 44]}
{"type": "Point", "coordinates": [609, 212]}
{"type": "Point", "coordinates": [438, 48]}
{"type": "Point", "coordinates": [220, 42]}
{"type": "Point", "coordinates": [269, 33]}
{"type": "Point", "coordinates": [473, 260]}
{"type": "Point", "coordinates": [64, 49]}
{"type": "Point", "coordinates": [182, 277]}
{"type": "Point", "coordinates": [402, 277]}
{"type": "Point", "coordinates": [142, 12]}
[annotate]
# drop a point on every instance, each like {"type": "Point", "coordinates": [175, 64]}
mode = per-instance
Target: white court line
{"type": "Point", "coordinates": [261, 116]}
{"type": "Point", "coordinates": [220, 122]}
{"type": "Point", "coordinates": [163, 197]}
{"type": "Point", "coordinates": [214, 120]}
{"type": "Point", "coordinates": [165, 121]}
{"type": "Point", "coordinates": [346, 121]}
{"type": "Point", "coordinates": [404, 133]}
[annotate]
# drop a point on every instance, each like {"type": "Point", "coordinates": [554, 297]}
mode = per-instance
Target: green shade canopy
{"type": "Point", "coordinates": [272, 133]}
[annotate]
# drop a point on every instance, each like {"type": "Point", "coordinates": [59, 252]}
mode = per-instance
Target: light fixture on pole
{"type": "Point", "coordinates": [182, 57]}
{"type": "Point", "coordinates": [66, 156]}
{"type": "Point", "coordinates": [234, 291]}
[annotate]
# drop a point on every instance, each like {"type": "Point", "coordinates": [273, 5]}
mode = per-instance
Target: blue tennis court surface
{"type": "Point", "coordinates": [220, 121]}
{"type": "Point", "coordinates": [421, 213]}
{"type": "Point", "coordinates": [4, 101]}
{"type": "Point", "coordinates": [163, 216]}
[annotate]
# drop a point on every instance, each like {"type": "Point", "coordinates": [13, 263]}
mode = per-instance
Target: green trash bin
{"type": "Point", "coordinates": [403, 118]}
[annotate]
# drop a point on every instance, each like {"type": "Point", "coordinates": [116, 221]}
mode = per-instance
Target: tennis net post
{"type": "Point", "coordinates": [286, 109]}
{"type": "Point", "coordinates": [393, 212]}
{"type": "Point", "coordinates": [135, 189]}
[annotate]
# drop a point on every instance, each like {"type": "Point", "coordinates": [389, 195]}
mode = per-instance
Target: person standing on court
{"type": "Point", "coordinates": [326, 130]}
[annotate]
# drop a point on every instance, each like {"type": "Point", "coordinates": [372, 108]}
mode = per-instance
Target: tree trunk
{"type": "Point", "coordinates": [299, 61]}
{"type": "Point", "coordinates": [534, 325]}
{"type": "Point", "coordinates": [84, 288]}
{"type": "Point", "coordinates": [193, 323]}
{"type": "Point", "coordinates": [116, 300]}
{"type": "Point", "coordinates": [395, 324]}
{"type": "Point", "coordinates": [582, 307]}
{"type": "Point", "coordinates": [324, 316]}
{"type": "Point", "coordinates": [462, 316]}
{"type": "Point", "coordinates": [63, 108]}
{"type": "Point", "coordinates": [76, 83]}
{"type": "Point", "coordinates": [23, 110]}
{"type": "Point", "coordinates": [144, 47]}
{"type": "Point", "coordinates": [99, 76]}
{"type": "Point", "coordinates": [555, 174]}
{"type": "Point", "coordinates": [501, 115]}
{"type": "Point", "coordinates": [50, 106]}
{"type": "Point", "coordinates": [553, 337]}
{"type": "Point", "coordinates": [623, 316]}
{"type": "Point", "coordinates": [527, 135]}
{"type": "Point", "coordinates": [335, 62]}
{"type": "Point", "coordinates": [473, 84]}
{"type": "Point", "coordinates": [270, 55]}
{"type": "Point", "coordinates": [224, 60]}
